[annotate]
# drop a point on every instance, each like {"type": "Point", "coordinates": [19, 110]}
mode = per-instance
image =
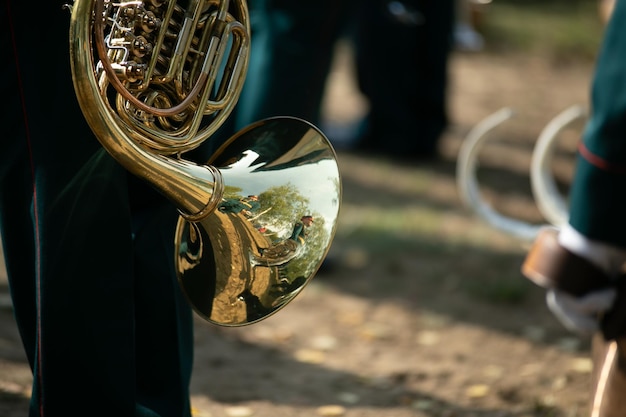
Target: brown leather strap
{"type": "Point", "coordinates": [550, 265]}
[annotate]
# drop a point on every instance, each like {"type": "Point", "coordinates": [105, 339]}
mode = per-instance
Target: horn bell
{"type": "Point", "coordinates": [272, 228]}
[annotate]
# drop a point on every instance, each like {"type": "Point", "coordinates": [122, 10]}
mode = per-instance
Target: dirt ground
{"type": "Point", "coordinates": [421, 310]}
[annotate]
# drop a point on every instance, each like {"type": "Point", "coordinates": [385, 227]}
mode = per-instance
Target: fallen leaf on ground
{"type": "Point", "coordinates": [477, 391]}
{"type": "Point", "coordinates": [331, 410]}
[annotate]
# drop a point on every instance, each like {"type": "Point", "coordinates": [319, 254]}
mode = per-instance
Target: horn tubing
{"type": "Point", "coordinates": [189, 186]}
{"type": "Point", "coordinates": [467, 182]}
{"type": "Point", "coordinates": [549, 199]}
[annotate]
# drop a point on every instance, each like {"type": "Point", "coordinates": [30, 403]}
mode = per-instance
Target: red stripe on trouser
{"type": "Point", "coordinates": [38, 376]}
{"type": "Point", "coordinates": [600, 162]}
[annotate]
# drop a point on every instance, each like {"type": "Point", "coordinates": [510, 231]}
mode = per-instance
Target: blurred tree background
{"type": "Point", "coordinates": [563, 30]}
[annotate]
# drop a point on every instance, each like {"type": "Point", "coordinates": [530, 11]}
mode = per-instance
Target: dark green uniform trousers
{"type": "Point", "coordinates": [402, 51]}
{"type": "Point", "coordinates": [89, 250]}
{"type": "Point", "coordinates": [291, 53]}
{"type": "Point", "coordinates": [401, 67]}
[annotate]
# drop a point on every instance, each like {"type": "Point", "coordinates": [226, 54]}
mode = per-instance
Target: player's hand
{"type": "Point", "coordinates": [580, 314]}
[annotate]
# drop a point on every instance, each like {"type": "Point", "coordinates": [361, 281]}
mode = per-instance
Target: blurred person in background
{"type": "Point", "coordinates": [466, 36]}
{"type": "Point", "coordinates": [401, 48]}
{"type": "Point", "coordinates": [582, 265]}
{"type": "Point", "coordinates": [402, 51]}
{"type": "Point", "coordinates": [290, 57]}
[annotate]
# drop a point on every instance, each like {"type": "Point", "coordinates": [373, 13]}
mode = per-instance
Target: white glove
{"type": "Point", "coordinates": [580, 314]}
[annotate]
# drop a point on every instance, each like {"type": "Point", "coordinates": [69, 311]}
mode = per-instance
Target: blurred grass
{"type": "Point", "coordinates": [441, 243]}
{"type": "Point", "coordinates": [562, 31]}
{"type": "Point", "coordinates": [505, 288]}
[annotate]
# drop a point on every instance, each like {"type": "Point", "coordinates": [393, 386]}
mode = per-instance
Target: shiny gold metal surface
{"type": "Point", "coordinates": [246, 260]}
{"type": "Point", "coordinates": [155, 79]}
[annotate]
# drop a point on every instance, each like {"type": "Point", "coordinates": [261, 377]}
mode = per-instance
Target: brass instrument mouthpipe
{"type": "Point", "coordinates": [194, 189]}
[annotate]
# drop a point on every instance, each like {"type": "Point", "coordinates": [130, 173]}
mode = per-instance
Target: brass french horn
{"type": "Point", "coordinates": [155, 79]}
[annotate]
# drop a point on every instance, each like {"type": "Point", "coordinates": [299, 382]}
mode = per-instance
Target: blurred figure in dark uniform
{"type": "Point", "coordinates": [247, 205]}
{"type": "Point", "coordinates": [299, 229]}
{"type": "Point", "coordinates": [402, 50]}
{"type": "Point", "coordinates": [291, 53]}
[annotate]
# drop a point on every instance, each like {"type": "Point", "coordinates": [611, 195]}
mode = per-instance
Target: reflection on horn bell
{"type": "Point", "coordinates": [223, 260]}
{"type": "Point", "coordinates": [156, 78]}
